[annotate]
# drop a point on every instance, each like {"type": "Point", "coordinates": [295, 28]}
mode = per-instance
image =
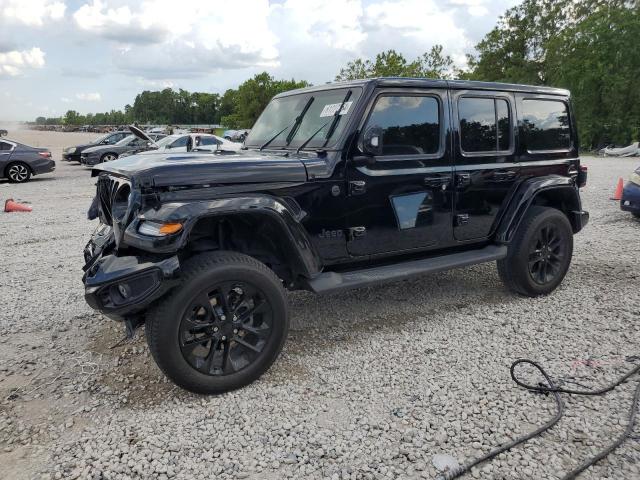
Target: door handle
{"type": "Point", "coordinates": [503, 176]}
{"type": "Point", "coordinates": [437, 181]}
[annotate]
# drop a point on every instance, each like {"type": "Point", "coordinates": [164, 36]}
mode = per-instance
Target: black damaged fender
{"type": "Point", "coordinates": [560, 187]}
{"type": "Point", "coordinates": [304, 259]}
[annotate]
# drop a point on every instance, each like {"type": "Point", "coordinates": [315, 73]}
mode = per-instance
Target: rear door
{"type": "Point", "coordinates": [402, 201]}
{"type": "Point", "coordinates": [486, 167]}
{"type": "Point", "coordinates": [6, 149]}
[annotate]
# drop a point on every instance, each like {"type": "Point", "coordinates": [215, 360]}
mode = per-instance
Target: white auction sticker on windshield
{"type": "Point", "coordinates": [331, 109]}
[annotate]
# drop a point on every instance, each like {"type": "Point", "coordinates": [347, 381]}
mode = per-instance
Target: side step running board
{"type": "Point", "coordinates": [328, 282]}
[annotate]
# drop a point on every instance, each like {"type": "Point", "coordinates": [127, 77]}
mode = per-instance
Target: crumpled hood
{"type": "Point", "coordinates": [200, 168]}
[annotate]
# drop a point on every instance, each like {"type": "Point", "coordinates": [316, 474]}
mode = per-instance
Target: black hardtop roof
{"type": "Point", "coordinates": [433, 83]}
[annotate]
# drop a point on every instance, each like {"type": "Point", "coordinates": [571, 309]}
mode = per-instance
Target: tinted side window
{"type": "Point", "coordinates": [5, 146]}
{"type": "Point", "coordinates": [410, 124]}
{"type": "Point", "coordinates": [485, 124]}
{"type": "Point", "coordinates": [180, 142]}
{"type": "Point", "coordinates": [208, 141]}
{"type": "Point", "coordinates": [546, 125]}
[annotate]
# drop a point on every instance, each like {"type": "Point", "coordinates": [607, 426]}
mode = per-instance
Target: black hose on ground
{"type": "Point", "coordinates": [550, 387]}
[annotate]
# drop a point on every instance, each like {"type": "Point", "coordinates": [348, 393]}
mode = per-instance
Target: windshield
{"type": "Point", "coordinates": [281, 113]}
{"type": "Point", "coordinates": [126, 140]}
{"type": "Point", "coordinates": [166, 140]}
{"type": "Point", "coordinates": [100, 139]}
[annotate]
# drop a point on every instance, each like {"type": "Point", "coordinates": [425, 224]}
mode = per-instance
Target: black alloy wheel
{"type": "Point", "coordinates": [225, 328]}
{"type": "Point", "coordinates": [546, 255]}
{"type": "Point", "coordinates": [539, 254]}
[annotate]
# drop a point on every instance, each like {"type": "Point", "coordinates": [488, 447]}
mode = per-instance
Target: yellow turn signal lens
{"type": "Point", "coordinates": [169, 228]}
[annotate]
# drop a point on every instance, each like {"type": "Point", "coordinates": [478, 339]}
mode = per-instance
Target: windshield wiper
{"type": "Point", "coordinates": [296, 123]}
{"type": "Point", "coordinates": [333, 121]}
{"type": "Point", "coordinates": [276, 135]}
{"type": "Point", "coordinates": [336, 119]}
{"type": "Point", "coordinates": [295, 127]}
{"type": "Point", "coordinates": [304, 144]}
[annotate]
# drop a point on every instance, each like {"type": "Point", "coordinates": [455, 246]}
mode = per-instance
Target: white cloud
{"type": "Point", "coordinates": [31, 12]}
{"type": "Point", "coordinates": [334, 23]}
{"type": "Point", "coordinates": [160, 38]}
{"type": "Point", "coordinates": [476, 8]}
{"type": "Point", "coordinates": [14, 62]}
{"type": "Point", "coordinates": [89, 97]}
{"type": "Point", "coordinates": [65, 99]}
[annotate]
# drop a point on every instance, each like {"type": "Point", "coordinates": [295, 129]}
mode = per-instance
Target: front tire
{"type": "Point", "coordinates": [539, 254]}
{"type": "Point", "coordinates": [18, 172]}
{"type": "Point", "coordinates": [223, 327]}
{"type": "Point", "coordinates": [108, 157]}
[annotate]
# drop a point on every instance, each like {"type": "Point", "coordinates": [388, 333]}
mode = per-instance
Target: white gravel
{"type": "Point", "coordinates": [371, 384]}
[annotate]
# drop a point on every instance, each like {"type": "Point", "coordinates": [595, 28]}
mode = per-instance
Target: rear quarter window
{"type": "Point", "coordinates": [545, 125]}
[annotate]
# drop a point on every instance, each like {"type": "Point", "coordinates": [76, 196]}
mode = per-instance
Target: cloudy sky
{"type": "Point", "coordinates": [95, 55]}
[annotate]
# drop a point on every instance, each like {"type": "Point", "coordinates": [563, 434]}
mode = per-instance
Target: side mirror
{"type": "Point", "coordinates": [372, 141]}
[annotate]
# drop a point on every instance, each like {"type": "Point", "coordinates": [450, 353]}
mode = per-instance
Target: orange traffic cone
{"type": "Point", "coordinates": [618, 193]}
{"type": "Point", "coordinates": [11, 206]}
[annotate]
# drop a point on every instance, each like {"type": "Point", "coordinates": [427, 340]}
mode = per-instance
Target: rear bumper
{"type": "Point", "coordinates": [47, 166]}
{"type": "Point", "coordinates": [630, 201]}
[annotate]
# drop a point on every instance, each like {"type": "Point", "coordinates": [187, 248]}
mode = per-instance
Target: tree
{"type": "Point", "coordinates": [72, 118]}
{"type": "Point", "coordinates": [431, 64]}
{"type": "Point", "coordinates": [252, 97]}
{"type": "Point", "coordinates": [587, 46]}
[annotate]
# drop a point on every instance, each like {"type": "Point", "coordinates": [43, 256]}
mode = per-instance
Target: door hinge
{"type": "Point", "coordinates": [463, 179]}
{"type": "Point", "coordinates": [357, 187]}
{"type": "Point", "coordinates": [462, 219]}
{"type": "Point", "coordinates": [356, 232]}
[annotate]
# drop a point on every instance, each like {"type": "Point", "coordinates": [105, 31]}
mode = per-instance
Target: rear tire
{"type": "Point", "coordinates": [18, 172]}
{"type": "Point", "coordinates": [539, 254]}
{"type": "Point", "coordinates": [223, 327]}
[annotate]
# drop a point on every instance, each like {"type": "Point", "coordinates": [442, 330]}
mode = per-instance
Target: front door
{"type": "Point", "coordinates": [486, 167]}
{"type": "Point", "coordinates": [401, 201]}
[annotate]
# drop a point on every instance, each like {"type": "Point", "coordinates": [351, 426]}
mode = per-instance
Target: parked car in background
{"type": "Point", "coordinates": [107, 153]}
{"type": "Point", "coordinates": [202, 142]}
{"type": "Point", "coordinates": [72, 154]}
{"type": "Point", "coordinates": [236, 135]}
{"type": "Point", "coordinates": [18, 162]}
{"type": "Point", "coordinates": [630, 201]}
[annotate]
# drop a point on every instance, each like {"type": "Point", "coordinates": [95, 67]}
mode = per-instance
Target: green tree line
{"type": "Point", "coordinates": [587, 46]}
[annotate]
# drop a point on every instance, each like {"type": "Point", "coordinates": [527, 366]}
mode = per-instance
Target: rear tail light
{"type": "Point", "coordinates": [45, 154]}
{"type": "Point", "coordinates": [581, 179]}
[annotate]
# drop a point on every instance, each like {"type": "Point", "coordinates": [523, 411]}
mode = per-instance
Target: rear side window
{"type": "Point", "coordinates": [545, 125]}
{"type": "Point", "coordinates": [485, 124]}
{"type": "Point", "coordinates": [5, 146]}
{"type": "Point", "coordinates": [410, 124]}
{"type": "Point", "coordinates": [207, 141]}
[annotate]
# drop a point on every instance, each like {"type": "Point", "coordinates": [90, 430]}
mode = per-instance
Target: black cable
{"type": "Point", "coordinates": [550, 387]}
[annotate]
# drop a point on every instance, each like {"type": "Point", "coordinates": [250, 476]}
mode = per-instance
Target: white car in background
{"type": "Point", "coordinates": [186, 142]}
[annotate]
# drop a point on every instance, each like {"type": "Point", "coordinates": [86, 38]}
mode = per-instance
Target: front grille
{"type": "Point", "coordinates": [106, 191]}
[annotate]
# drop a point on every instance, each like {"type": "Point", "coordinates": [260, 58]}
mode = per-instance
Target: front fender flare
{"type": "Point", "coordinates": [304, 259]}
{"type": "Point", "coordinates": [525, 196]}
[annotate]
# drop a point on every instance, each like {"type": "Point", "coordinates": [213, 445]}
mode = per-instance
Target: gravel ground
{"type": "Point", "coordinates": [371, 383]}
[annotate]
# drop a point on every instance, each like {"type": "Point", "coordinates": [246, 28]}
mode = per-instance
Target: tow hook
{"type": "Point", "coordinates": [131, 324]}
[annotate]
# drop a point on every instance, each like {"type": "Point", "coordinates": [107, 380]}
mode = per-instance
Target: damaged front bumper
{"type": "Point", "coordinates": [124, 286]}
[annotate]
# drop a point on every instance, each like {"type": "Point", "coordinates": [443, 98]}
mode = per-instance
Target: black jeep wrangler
{"type": "Point", "coordinates": [338, 186]}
